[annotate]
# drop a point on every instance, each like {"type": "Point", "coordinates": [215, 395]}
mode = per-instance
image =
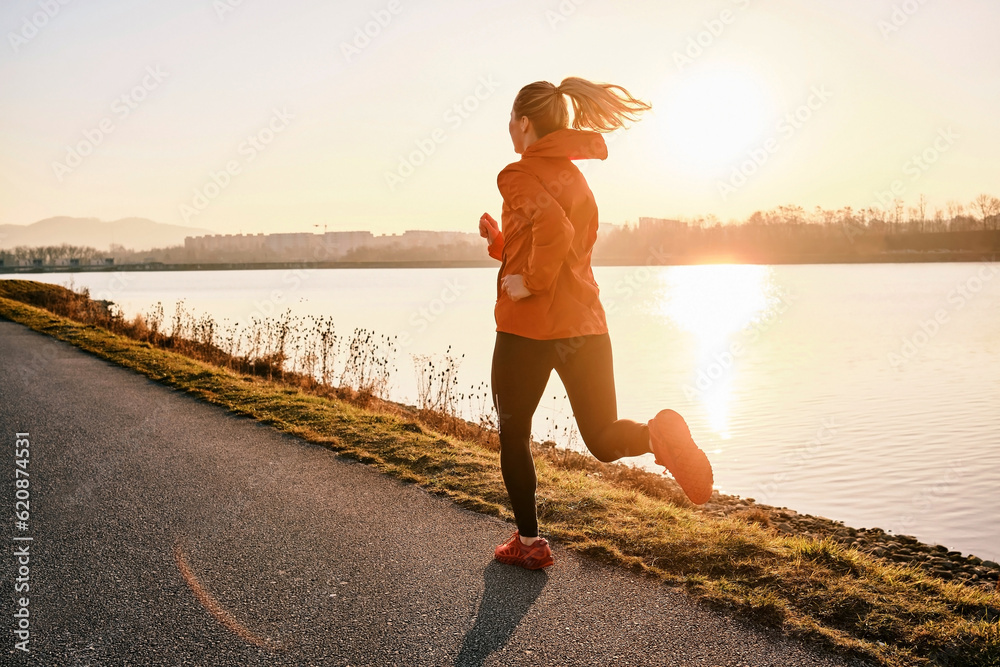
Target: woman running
{"type": "Point", "coordinates": [548, 311]}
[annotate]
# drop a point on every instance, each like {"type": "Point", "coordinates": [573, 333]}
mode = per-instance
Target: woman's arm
{"type": "Point", "coordinates": [551, 231]}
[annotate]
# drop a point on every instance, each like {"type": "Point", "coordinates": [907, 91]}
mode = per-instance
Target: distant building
{"type": "Point", "coordinates": [293, 246]}
{"type": "Point", "coordinates": [225, 243]}
{"type": "Point", "coordinates": [338, 244]}
{"type": "Point", "coordinates": [421, 238]}
{"type": "Point", "coordinates": [305, 246]}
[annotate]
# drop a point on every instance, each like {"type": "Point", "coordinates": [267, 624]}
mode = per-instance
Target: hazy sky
{"type": "Point", "coordinates": [113, 109]}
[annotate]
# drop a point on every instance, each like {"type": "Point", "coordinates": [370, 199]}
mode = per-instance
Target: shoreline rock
{"type": "Point", "coordinates": [934, 559]}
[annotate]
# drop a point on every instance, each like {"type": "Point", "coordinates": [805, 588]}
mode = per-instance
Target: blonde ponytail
{"type": "Point", "coordinates": [601, 107]}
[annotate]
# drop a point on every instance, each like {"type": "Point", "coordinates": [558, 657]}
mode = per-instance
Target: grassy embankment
{"type": "Point", "coordinates": [892, 614]}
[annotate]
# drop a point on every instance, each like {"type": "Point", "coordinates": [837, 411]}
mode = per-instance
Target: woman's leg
{"type": "Point", "coordinates": [585, 366]}
{"type": "Point", "coordinates": [521, 369]}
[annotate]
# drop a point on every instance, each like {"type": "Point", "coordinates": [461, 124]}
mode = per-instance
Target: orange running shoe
{"type": "Point", "coordinates": [674, 448]}
{"type": "Point", "coordinates": [533, 557]}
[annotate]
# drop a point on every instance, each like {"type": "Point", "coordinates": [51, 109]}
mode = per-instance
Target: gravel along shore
{"type": "Point", "coordinates": [903, 549]}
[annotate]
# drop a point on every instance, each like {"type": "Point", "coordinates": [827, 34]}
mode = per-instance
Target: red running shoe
{"type": "Point", "coordinates": [674, 448]}
{"type": "Point", "coordinates": [533, 557]}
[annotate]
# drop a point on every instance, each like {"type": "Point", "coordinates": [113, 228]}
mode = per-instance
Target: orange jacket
{"type": "Point", "coordinates": [549, 226]}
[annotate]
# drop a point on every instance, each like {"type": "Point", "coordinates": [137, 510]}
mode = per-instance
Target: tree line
{"type": "Point", "coordinates": [785, 231]}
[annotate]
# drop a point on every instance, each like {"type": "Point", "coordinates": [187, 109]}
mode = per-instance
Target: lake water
{"type": "Point", "coordinates": [864, 393]}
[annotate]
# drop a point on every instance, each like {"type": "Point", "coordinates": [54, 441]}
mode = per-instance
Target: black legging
{"type": "Point", "coordinates": [521, 369]}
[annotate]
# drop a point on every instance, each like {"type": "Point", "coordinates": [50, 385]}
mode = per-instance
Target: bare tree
{"type": "Point", "coordinates": [876, 214]}
{"type": "Point", "coordinates": [791, 214]}
{"type": "Point", "coordinates": [897, 215]}
{"type": "Point", "coordinates": [824, 216]}
{"type": "Point", "coordinates": [989, 208]}
{"type": "Point", "coordinates": [939, 223]}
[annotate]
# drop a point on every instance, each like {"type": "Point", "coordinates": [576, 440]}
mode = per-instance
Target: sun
{"type": "Point", "coordinates": [708, 117]}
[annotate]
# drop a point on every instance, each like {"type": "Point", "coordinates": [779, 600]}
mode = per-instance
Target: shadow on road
{"type": "Point", "coordinates": [509, 593]}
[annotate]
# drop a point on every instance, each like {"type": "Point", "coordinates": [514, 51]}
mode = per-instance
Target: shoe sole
{"type": "Point", "coordinates": [691, 466]}
{"type": "Point", "coordinates": [509, 560]}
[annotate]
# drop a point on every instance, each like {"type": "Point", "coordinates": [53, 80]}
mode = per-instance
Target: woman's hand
{"type": "Point", "coordinates": [488, 227]}
{"type": "Point", "coordinates": [514, 286]}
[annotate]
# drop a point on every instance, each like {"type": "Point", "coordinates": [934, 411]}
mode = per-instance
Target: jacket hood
{"type": "Point", "coordinates": [569, 143]}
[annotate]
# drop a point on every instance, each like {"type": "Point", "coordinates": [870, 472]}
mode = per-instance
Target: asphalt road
{"type": "Point", "coordinates": [167, 531]}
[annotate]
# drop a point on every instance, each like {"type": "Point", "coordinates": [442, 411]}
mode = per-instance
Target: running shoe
{"type": "Point", "coordinates": [533, 557]}
{"type": "Point", "coordinates": [674, 449]}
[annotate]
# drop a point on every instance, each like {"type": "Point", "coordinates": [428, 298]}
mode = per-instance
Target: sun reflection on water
{"type": "Point", "coordinates": [715, 303]}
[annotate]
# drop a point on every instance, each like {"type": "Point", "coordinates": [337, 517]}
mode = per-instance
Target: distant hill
{"type": "Point", "coordinates": [133, 233]}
